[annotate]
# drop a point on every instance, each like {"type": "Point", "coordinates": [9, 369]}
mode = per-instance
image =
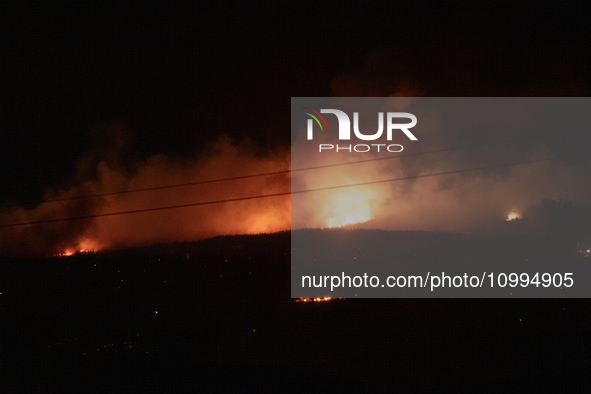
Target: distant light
{"type": "Point", "coordinates": [319, 299]}
{"type": "Point", "coordinates": [513, 216]}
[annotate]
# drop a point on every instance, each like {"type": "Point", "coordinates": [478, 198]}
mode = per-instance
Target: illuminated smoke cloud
{"type": "Point", "coordinates": [468, 202]}
{"type": "Point", "coordinates": [474, 202]}
{"type": "Point", "coordinates": [222, 159]}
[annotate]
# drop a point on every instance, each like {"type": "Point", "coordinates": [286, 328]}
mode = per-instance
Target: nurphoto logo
{"type": "Point", "coordinates": [345, 129]}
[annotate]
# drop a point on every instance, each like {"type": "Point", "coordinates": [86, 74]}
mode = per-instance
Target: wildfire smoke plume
{"type": "Point", "coordinates": [223, 159]}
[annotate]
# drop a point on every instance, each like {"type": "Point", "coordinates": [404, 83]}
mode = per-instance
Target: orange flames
{"type": "Point", "coordinates": [71, 253]}
{"type": "Point", "coordinates": [323, 299]}
{"type": "Point", "coordinates": [87, 246]}
{"type": "Point", "coordinates": [513, 215]}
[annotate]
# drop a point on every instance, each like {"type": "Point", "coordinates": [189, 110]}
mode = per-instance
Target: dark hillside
{"type": "Point", "coordinates": [217, 316]}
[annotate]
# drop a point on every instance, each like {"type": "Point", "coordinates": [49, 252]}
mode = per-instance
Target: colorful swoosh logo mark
{"type": "Point", "coordinates": [315, 118]}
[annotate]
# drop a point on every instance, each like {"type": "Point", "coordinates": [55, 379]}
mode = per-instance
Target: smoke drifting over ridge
{"type": "Point", "coordinates": [475, 202]}
{"type": "Point", "coordinates": [222, 159]}
{"type": "Point", "coordinates": [466, 202]}
{"type": "Point", "coordinates": [493, 133]}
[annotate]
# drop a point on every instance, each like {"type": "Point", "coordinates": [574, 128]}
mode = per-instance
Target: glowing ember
{"type": "Point", "coordinates": [63, 254]}
{"type": "Point", "coordinates": [514, 215]}
{"type": "Point", "coordinates": [316, 299]}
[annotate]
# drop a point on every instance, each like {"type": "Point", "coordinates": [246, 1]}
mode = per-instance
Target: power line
{"type": "Point", "coordinates": [271, 173]}
{"type": "Point", "coordinates": [429, 175]}
{"type": "Point", "coordinates": [281, 194]}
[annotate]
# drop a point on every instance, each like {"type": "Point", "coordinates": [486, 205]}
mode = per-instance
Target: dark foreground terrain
{"type": "Point", "coordinates": [216, 316]}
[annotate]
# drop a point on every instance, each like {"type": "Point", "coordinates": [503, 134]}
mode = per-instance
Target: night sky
{"type": "Point", "coordinates": [78, 79]}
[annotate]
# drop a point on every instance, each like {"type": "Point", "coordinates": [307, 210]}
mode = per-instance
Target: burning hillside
{"type": "Point", "coordinates": [92, 231]}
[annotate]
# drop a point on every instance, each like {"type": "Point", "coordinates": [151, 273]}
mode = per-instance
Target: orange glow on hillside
{"type": "Point", "coordinates": [320, 299]}
{"type": "Point", "coordinates": [513, 215]}
{"type": "Point", "coordinates": [221, 159]}
{"type": "Point", "coordinates": [86, 246]}
{"type": "Point", "coordinates": [348, 207]}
